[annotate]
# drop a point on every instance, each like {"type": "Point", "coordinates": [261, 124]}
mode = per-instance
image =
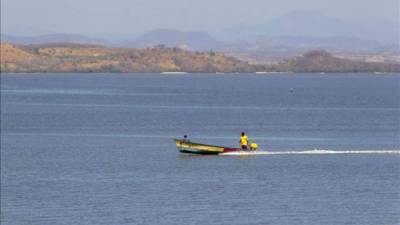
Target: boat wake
{"type": "Point", "coordinates": [313, 152]}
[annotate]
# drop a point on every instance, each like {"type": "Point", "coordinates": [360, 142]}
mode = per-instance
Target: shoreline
{"type": "Point", "coordinates": [204, 73]}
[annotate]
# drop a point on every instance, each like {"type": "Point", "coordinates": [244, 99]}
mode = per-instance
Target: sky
{"type": "Point", "coordinates": [98, 17]}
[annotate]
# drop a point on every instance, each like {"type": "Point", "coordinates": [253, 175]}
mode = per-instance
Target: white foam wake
{"type": "Point", "coordinates": [314, 152]}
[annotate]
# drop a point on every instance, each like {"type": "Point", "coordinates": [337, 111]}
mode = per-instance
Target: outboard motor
{"type": "Point", "coordinates": [253, 146]}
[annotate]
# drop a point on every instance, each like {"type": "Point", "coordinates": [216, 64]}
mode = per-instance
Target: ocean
{"type": "Point", "coordinates": [98, 149]}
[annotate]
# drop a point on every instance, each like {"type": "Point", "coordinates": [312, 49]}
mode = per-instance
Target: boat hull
{"type": "Point", "coordinates": [197, 152]}
{"type": "Point", "coordinates": [202, 149]}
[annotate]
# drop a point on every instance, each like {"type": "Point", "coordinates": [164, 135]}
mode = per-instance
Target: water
{"type": "Point", "coordinates": [97, 149]}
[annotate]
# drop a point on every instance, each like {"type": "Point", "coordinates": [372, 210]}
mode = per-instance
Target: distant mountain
{"type": "Point", "coordinates": [175, 38]}
{"type": "Point", "coordinates": [52, 38]}
{"type": "Point", "coordinates": [302, 31]}
{"type": "Point", "coordinates": [283, 37]}
{"type": "Point", "coordinates": [315, 24]}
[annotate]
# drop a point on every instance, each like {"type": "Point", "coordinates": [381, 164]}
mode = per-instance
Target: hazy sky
{"type": "Point", "coordinates": [138, 16]}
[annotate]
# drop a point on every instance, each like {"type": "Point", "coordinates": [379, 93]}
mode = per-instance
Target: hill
{"type": "Point", "coordinates": [94, 58]}
{"type": "Point", "coordinates": [322, 61]}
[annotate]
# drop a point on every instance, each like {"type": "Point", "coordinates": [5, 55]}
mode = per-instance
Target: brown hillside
{"type": "Point", "coordinates": [10, 53]}
{"type": "Point", "coordinates": [87, 58]}
{"type": "Point", "coordinates": [91, 58]}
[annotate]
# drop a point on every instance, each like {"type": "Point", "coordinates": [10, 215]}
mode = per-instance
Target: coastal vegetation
{"type": "Point", "coordinates": [71, 58]}
{"type": "Point", "coordinates": [322, 61]}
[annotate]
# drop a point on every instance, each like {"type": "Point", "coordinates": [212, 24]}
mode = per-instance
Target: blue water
{"type": "Point", "coordinates": [97, 149]}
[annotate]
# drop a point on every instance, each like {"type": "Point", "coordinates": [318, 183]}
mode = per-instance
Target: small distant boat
{"type": "Point", "coordinates": [203, 149]}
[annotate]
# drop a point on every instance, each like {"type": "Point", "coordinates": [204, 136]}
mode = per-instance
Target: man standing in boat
{"type": "Point", "coordinates": [244, 141]}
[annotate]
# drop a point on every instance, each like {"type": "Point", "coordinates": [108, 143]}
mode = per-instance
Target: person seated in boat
{"type": "Point", "coordinates": [185, 138]}
{"type": "Point", "coordinates": [244, 141]}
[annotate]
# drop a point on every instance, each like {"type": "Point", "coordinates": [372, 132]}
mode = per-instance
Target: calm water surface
{"type": "Point", "coordinates": [97, 149]}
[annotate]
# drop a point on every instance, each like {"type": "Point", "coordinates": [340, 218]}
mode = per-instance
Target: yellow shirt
{"type": "Point", "coordinates": [244, 140]}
